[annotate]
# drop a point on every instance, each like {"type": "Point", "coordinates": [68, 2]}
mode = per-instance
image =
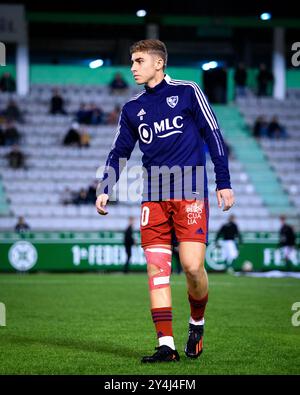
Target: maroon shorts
{"type": "Point", "coordinates": [189, 218]}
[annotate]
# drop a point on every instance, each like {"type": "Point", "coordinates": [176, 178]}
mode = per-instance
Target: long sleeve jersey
{"type": "Point", "coordinates": [172, 123]}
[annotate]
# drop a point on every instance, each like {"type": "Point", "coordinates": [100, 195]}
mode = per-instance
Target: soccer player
{"type": "Point", "coordinates": [230, 234]}
{"type": "Point", "coordinates": [172, 121]}
{"type": "Point", "coordinates": [287, 243]}
{"type": "Point", "coordinates": [128, 242]}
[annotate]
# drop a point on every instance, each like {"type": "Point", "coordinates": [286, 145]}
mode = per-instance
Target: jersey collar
{"type": "Point", "coordinates": [159, 86]}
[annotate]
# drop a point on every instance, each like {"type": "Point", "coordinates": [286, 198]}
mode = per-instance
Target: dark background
{"type": "Point", "coordinates": [73, 42]}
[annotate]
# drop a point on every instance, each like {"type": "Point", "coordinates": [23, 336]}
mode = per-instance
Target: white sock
{"type": "Point", "coordinates": [167, 341]}
{"type": "Point", "coordinates": [192, 321]}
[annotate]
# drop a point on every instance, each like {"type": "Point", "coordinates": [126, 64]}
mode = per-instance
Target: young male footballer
{"type": "Point", "coordinates": [172, 121]}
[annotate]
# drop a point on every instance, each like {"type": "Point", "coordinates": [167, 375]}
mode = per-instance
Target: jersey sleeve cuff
{"type": "Point", "coordinates": [223, 185]}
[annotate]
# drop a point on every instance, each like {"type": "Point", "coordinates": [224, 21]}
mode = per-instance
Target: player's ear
{"type": "Point", "coordinates": [159, 63]}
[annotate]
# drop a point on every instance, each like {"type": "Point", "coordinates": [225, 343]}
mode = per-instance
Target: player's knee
{"type": "Point", "coordinates": [191, 272]}
{"type": "Point", "coordinates": [158, 267]}
{"type": "Point", "coordinates": [194, 271]}
{"type": "Point", "coordinates": [152, 270]}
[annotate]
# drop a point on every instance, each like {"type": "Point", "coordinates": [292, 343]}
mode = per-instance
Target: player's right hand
{"type": "Point", "coordinates": [226, 196]}
{"type": "Point", "coordinates": [101, 204]}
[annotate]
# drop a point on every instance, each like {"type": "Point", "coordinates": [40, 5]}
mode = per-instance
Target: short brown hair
{"type": "Point", "coordinates": [151, 46]}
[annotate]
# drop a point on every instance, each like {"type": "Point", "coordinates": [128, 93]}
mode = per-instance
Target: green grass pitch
{"type": "Point", "coordinates": [101, 324]}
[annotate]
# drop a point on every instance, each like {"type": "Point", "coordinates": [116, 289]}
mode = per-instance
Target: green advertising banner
{"type": "Point", "coordinates": [104, 251]}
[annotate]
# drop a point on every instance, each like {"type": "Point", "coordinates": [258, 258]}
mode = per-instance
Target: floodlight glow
{"type": "Point", "coordinates": [265, 16]}
{"type": "Point", "coordinates": [210, 65]}
{"type": "Point", "coordinates": [213, 64]}
{"type": "Point", "coordinates": [141, 13]}
{"type": "Point", "coordinates": [96, 63]}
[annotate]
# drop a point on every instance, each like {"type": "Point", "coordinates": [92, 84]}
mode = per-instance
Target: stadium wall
{"type": "Point", "coordinates": [104, 251]}
{"type": "Point", "coordinates": [83, 75]}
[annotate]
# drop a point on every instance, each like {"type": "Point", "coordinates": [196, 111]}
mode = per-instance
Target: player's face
{"type": "Point", "coordinates": [145, 67]}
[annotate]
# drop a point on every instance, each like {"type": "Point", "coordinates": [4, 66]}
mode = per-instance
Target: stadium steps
{"type": "Point", "coordinates": [4, 207]}
{"type": "Point", "coordinates": [250, 154]}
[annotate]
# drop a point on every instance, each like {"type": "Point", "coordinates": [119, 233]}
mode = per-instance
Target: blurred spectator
{"type": "Point", "coordinates": [118, 85]}
{"type": "Point", "coordinates": [128, 242]}
{"type": "Point", "coordinates": [91, 193]}
{"type": "Point", "coordinates": [208, 84]}
{"type": "Point", "coordinates": [16, 158]}
{"type": "Point", "coordinates": [264, 80]}
{"type": "Point", "coordinates": [67, 196]}
{"type": "Point", "coordinates": [240, 79]}
{"type": "Point", "coordinates": [260, 128]}
{"type": "Point", "coordinates": [83, 115]}
{"type": "Point", "coordinates": [81, 198]}
{"type": "Point", "coordinates": [21, 226]}
{"type": "Point", "coordinates": [57, 103]}
{"type": "Point", "coordinates": [2, 136]}
{"type": "Point", "coordinates": [11, 134]}
{"type": "Point", "coordinates": [12, 112]}
{"type": "Point", "coordinates": [90, 114]}
{"type": "Point", "coordinates": [84, 138]}
{"type": "Point", "coordinates": [215, 84]}
{"type": "Point", "coordinates": [113, 116]}
{"type": "Point", "coordinates": [220, 85]}
{"type": "Point", "coordinates": [287, 242]}
{"type": "Point", "coordinates": [96, 115]}
{"type": "Point", "coordinates": [7, 83]}
{"type": "Point", "coordinates": [275, 129]}
{"type": "Point", "coordinates": [73, 136]}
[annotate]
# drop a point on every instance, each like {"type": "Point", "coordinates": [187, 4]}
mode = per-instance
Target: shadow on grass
{"type": "Point", "coordinates": [88, 346]}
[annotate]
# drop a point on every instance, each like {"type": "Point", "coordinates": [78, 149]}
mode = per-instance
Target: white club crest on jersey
{"type": "Point", "coordinates": [172, 101]}
{"type": "Point", "coordinates": [141, 114]}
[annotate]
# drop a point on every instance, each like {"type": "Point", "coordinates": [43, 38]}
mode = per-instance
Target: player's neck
{"type": "Point", "coordinates": [157, 79]}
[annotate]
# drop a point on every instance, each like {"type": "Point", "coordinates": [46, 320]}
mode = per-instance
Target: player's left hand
{"type": "Point", "coordinates": [226, 196]}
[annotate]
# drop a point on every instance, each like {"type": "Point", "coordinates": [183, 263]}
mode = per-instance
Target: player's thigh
{"type": "Point", "coordinates": [192, 255]}
{"type": "Point", "coordinates": [191, 220]}
{"type": "Point", "coordinates": [155, 224]}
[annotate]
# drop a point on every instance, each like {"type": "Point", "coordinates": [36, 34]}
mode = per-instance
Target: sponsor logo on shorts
{"type": "Point", "coordinates": [194, 212]}
{"type": "Point", "coordinates": [194, 208]}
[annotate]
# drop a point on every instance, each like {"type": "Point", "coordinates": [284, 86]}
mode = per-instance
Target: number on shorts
{"type": "Point", "coordinates": [145, 215]}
